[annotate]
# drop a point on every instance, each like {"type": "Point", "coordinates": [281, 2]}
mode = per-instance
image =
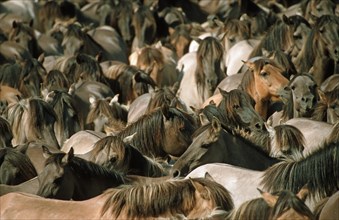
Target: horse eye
{"type": "Point", "coordinates": [292, 87]}
{"type": "Point", "coordinates": [57, 180]}
{"type": "Point", "coordinates": [263, 74]}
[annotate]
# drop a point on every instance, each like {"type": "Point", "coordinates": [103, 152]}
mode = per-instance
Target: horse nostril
{"type": "Point", "coordinates": [259, 126]}
{"type": "Point", "coordinates": [176, 173]}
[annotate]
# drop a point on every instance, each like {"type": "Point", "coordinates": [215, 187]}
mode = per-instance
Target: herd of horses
{"type": "Point", "coordinates": [138, 109]}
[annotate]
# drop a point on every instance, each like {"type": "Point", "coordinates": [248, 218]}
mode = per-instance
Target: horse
{"type": "Point", "coordinates": [54, 80]}
{"type": "Point", "coordinates": [193, 198]}
{"type": "Point", "coordinates": [24, 34]}
{"type": "Point", "coordinates": [81, 93]}
{"type": "Point", "coordinates": [317, 170]}
{"type": "Point", "coordinates": [202, 76]}
{"type": "Point", "coordinates": [232, 149]}
{"type": "Point", "coordinates": [15, 167]}
{"type": "Point", "coordinates": [314, 9]}
{"type": "Point", "coordinates": [82, 141]}
{"type": "Point", "coordinates": [279, 205]}
{"type": "Point", "coordinates": [104, 112]}
{"type": "Point", "coordinates": [8, 95]}
{"type": "Point", "coordinates": [67, 122]}
{"type": "Point", "coordinates": [319, 54]}
{"type": "Point", "coordinates": [157, 63]}
{"type": "Point", "coordinates": [145, 27]}
{"type": "Point", "coordinates": [315, 132]}
{"type": "Point", "coordinates": [328, 209]}
{"type": "Point", "coordinates": [242, 183]}
{"type": "Point", "coordinates": [26, 76]}
{"type": "Point", "coordinates": [330, 83]}
{"type": "Point", "coordinates": [263, 82]}
{"type": "Point", "coordinates": [115, 154]}
{"type": "Point", "coordinates": [327, 108]}
{"type": "Point", "coordinates": [128, 81]}
{"type": "Point", "coordinates": [32, 119]}
{"type": "Point", "coordinates": [300, 99]}
{"type": "Point", "coordinates": [76, 40]}
{"type": "Point", "coordinates": [64, 176]}
{"type": "Point", "coordinates": [157, 98]}
{"type": "Point", "coordinates": [30, 186]}
{"type": "Point", "coordinates": [164, 131]}
{"type": "Point", "coordinates": [6, 134]}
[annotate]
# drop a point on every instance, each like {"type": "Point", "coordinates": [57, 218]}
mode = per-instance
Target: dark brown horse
{"type": "Point", "coordinates": [164, 131]}
{"type": "Point", "coordinates": [319, 54]}
{"type": "Point", "coordinates": [128, 81]}
{"type": "Point", "coordinates": [15, 167]}
{"type": "Point", "coordinates": [6, 134]}
{"type": "Point", "coordinates": [66, 176]}
{"type": "Point", "coordinates": [118, 155]}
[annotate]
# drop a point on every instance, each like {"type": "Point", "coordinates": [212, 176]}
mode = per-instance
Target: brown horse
{"type": "Point", "coordinates": [128, 81]}
{"type": "Point", "coordinates": [193, 198]}
{"type": "Point", "coordinates": [159, 62]}
{"type": "Point", "coordinates": [280, 205]}
{"type": "Point", "coordinates": [319, 54]}
{"type": "Point", "coordinates": [314, 9]}
{"type": "Point", "coordinates": [327, 108]}
{"type": "Point", "coordinates": [164, 131]}
{"type": "Point", "coordinates": [6, 134]}
{"type": "Point", "coordinates": [67, 122]}
{"type": "Point", "coordinates": [201, 77]}
{"type": "Point", "coordinates": [32, 119]}
{"type": "Point", "coordinates": [263, 82]}
{"type": "Point", "coordinates": [8, 95]}
{"type": "Point", "coordinates": [106, 111]}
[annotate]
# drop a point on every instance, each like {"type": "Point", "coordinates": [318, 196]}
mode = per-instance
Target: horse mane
{"type": "Point", "coordinates": [237, 26]}
{"type": "Point", "coordinates": [150, 132]}
{"type": "Point", "coordinates": [21, 27]}
{"type": "Point", "coordinates": [173, 196]}
{"type": "Point", "coordinates": [150, 54]}
{"type": "Point", "coordinates": [311, 48]}
{"type": "Point", "coordinates": [276, 37]}
{"type": "Point", "coordinates": [209, 45]}
{"type": "Point", "coordinates": [229, 100]}
{"type": "Point", "coordinates": [252, 209]}
{"type": "Point", "coordinates": [124, 153]}
{"type": "Point", "coordinates": [6, 133]}
{"type": "Point", "coordinates": [19, 160]}
{"type": "Point", "coordinates": [160, 98]}
{"type": "Point", "coordinates": [55, 79]}
{"type": "Point", "coordinates": [284, 61]}
{"type": "Point", "coordinates": [85, 168]}
{"type": "Point", "coordinates": [318, 170]}
{"type": "Point", "coordinates": [103, 107]}
{"type": "Point", "coordinates": [289, 136]}
{"type": "Point", "coordinates": [320, 110]}
{"type": "Point", "coordinates": [288, 200]}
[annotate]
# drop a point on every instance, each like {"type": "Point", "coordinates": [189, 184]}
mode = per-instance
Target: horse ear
{"type": "Point", "coordinates": [285, 19]}
{"type": "Point", "coordinates": [321, 95]}
{"type": "Point", "coordinates": [204, 193]}
{"type": "Point", "coordinates": [46, 152]}
{"type": "Point", "coordinates": [92, 99]}
{"type": "Point", "coordinates": [249, 64]}
{"type": "Point", "coordinates": [303, 193]}
{"type": "Point", "coordinates": [68, 157]}
{"type": "Point", "coordinates": [197, 39]}
{"type": "Point", "coordinates": [41, 58]}
{"type": "Point", "coordinates": [114, 100]}
{"type": "Point", "coordinates": [158, 45]}
{"type": "Point", "coordinates": [166, 112]}
{"type": "Point", "coordinates": [208, 176]}
{"type": "Point", "coordinates": [128, 139]}
{"type": "Point", "coordinates": [203, 119]}
{"type": "Point", "coordinates": [71, 89]}
{"type": "Point", "coordinates": [269, 199]}
{"type": "Point", "coordinates": [142, 77]}
{"type": "Point", "coordinates": [216, 125]}
{"type": "Point", "coordinates": [223, 92]}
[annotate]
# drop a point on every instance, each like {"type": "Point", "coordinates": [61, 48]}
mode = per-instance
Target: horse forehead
{"type": "Point", "coordinates": [292, 214]}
